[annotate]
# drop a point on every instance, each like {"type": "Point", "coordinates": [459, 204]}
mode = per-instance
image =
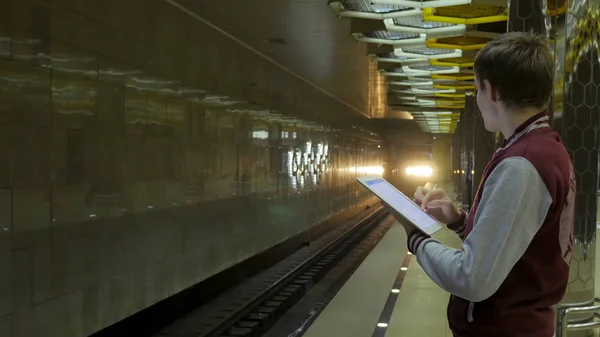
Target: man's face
{"type": "Point", "coordinates": [488, 106]}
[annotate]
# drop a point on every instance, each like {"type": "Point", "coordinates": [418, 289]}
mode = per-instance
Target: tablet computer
{"type": "Point", "coordinates": [401, 203]}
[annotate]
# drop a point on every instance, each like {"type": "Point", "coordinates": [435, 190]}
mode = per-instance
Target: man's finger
{"type": "Point", "coordinates": [438, 193]}
{"type": "Point", "coordinates": [437, 203]}
{"type": "Point", "coordinates": [420, 193]}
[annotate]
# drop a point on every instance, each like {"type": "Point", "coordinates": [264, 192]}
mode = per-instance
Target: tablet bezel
{"type": "Point", "coordinates": [430, 231]}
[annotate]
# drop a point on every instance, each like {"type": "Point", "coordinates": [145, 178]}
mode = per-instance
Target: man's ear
{"type": "Point", "coordinates": [490, 91]}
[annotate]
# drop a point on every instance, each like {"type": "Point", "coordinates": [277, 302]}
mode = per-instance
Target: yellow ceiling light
{"type": "Point", "coordinates": [433, 49]}
{"type": "Point", "coordinates": [455, 87]}
{"type": "Point", "coordinates": [453, 77]}
{"type": "Point", "coordinates": [459, 42]}
{"type": "Point", "coordinates": [451, 101]}
{"type": "Point", "coordinates": [433, 43]}
{"type": "Point", "coordinates": [466, 14]}
{"type": "Point", "coordinates": [460, 62]}
{"type": "Point", "coordinates": [441, 106]}
{"type": "Point", "coordinates": [445, 95]}
{"type": "Point", "coordinates": [450, 104]}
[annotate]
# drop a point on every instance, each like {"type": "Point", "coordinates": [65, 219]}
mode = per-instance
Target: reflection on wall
{"type": "Point", "coordinates": [310, 161]}
{"type": "Point", "coordinates": [120, 187]}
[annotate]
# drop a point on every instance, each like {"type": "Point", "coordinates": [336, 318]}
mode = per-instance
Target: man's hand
{"type": "Point", "coordinates": [437, 203]}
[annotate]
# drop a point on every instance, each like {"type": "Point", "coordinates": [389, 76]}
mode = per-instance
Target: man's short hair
{"type": "Point", "coordinates": [520, 67]}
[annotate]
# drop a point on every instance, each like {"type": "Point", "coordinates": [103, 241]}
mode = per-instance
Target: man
{"type": "Point", "coordinates": [517, 238]}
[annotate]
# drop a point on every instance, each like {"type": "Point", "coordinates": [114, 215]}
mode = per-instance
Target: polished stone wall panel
{"type": "Point", "coordinates": [535, 16]}
{"type": "Point", "coordinates": [484, 145]}
{"type": "Point", "coordinates": [119, 186]}
{"type": "Point", "coordinates": [572, 29]}
{"type": "Point", "coordinates": [580, 121]}
{"type": "Point", "coordinates": [457, 150]}
{"type": "Point", "coordinates": [467, 120]}
{"type": "Point", "coordinates": [441, 152]}
{"type": "Point", "coordinates": [524, 16]}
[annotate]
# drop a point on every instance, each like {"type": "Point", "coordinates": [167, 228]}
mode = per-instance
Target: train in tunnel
{"type": "Point", "coordinates": [410, 168]}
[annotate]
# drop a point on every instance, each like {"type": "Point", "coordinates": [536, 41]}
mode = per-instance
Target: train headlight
{"type": "Point", "coordinates": [419, 171]}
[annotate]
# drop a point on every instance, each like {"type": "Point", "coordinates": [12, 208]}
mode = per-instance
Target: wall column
{"type": "Point", "coordinates": [467, 156]}
{"type": "Point", "coordinates": [576, 114]}
{"type": "Point", "coordinates": [484, 143]}
{"type": "Point", "coordinates": [456, 162]}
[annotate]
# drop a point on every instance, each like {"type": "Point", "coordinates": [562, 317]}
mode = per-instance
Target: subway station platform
{"type": "Point", "coordinates": [418, 306]}
{"type": "Point", "coordinates": [391, 296]}
{"type": "Point", "coordinates": [419, 309]}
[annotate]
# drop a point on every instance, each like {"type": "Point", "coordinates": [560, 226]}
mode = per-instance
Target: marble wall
{"type": "Point", "coordinates": [127, 171]}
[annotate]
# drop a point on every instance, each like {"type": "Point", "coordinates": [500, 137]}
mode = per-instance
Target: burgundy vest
{"type": "Point", "coordinates": [522, 306]}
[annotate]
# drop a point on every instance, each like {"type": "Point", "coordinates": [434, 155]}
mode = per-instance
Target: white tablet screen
{"type": "Point", "coordinates": [403, 205]}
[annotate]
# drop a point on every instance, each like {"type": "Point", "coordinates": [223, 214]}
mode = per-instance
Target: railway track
{"type": "Point", "coordinates": [250, 309]}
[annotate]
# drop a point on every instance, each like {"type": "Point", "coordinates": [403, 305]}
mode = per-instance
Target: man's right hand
{"type": "Point", "coordinates": [437, 203]}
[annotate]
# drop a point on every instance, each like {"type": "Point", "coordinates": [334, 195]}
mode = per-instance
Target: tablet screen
{"type": "Point", "coordinates": [397, 200]}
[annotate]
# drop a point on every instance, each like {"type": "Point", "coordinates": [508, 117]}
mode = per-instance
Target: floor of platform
{"type": "Point", "coordinates": [355, 310]}
{"type": "Point", "coordinates": [420, 307]}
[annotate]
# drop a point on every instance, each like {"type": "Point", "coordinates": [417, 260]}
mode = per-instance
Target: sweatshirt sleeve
{"type": "Point", "coordinates": [459, 226]}
{"type": "Point", "coordinates": [513, 207]}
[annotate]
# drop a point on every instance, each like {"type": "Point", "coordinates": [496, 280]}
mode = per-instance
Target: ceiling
{"type": "Point", "coordinates": [307, 38]}
{"type": "Point", "coordinates": [425, 49]}
{"type": "Point", "coordinates": [398, 59]}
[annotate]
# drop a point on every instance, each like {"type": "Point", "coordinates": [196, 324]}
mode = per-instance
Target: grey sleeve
{"type": "Point", "coordinates": [512, 209]}
{"type": "Point", "coordinates": [460, 226]}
